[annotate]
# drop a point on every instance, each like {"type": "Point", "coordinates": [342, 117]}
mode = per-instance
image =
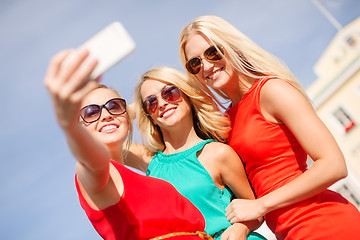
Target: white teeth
{"type": "Point", "coordinates": [167, 113]}
{"type": "Point", "coordinates": [214, 74]}
{"type": "Point", "coordinates": [108, 127]}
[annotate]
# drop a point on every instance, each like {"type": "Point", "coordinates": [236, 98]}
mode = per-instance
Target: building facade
{"type": "Point", "coordinates": [336, 98]}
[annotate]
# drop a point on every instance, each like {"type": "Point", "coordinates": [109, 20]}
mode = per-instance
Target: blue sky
{"type": "Point", "coordinates": [37, 192]}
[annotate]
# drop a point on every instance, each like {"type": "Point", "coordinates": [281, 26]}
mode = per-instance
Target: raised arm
{"type": "Point", "coordinates": [68, 85]}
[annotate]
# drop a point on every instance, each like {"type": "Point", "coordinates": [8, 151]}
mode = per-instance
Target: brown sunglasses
{"type": "Point", "coordinates": [212, 54]}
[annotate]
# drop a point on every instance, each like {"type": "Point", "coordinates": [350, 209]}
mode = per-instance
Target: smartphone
{"type": "Point", "coordinates": [109, 46]}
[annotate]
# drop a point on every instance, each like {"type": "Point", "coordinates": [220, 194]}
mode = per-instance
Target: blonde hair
{"type": "Point", "coordinates": [247, 58]}
{"type": "Point", "coordinates": [209, 121]}
{"type": "Point", "coordinates": [129, 116]}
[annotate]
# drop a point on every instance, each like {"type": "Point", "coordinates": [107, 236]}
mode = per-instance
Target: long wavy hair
{"type": "Point", "coordinates": [209, 121]}
{"type": "Point", "coordinates": [247, 58]}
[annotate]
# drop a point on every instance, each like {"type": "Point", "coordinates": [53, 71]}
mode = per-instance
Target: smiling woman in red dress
{"type": "Point", "coordinates": [120, 203]}
{"type": "Point", "coordinates": [274, 129]}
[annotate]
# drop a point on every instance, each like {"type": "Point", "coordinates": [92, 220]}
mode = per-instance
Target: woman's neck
{"type": "Point", "coordinates": [116, 155]}
{"type": "Point", "coordinates": [238, 89]}
{"type": "Point", "coordinates": [180, 140]}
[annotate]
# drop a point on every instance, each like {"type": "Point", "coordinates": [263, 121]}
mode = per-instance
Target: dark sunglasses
{"type": "Point", "coordinates": [211, 54]}
{"type": "Point", "coordinates": [169, 94]}
{"type": "Point", "coordinates": [92, 113]}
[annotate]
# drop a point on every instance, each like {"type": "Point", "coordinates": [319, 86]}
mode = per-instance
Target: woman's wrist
{"type": "Point", "coordinates": [242, 227]}
{"type": "Point", "coordinates": [266, 204]}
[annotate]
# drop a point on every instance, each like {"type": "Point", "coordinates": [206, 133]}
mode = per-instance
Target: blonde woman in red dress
{"type": "Point", "coordinates": [274, 129]}
{"type": "Point", "coordinates": [120, 203]}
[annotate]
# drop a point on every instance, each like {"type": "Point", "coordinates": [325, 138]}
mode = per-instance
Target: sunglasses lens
{"type": "Point", "coordinates": [194, 65]}
{"type": "Point", "coordinates": [116, 106]}
{"type": "Point", "coordinates": [171, 94]}
{"type": "Point", "coordinates": [213, 54]}
{"type": "Point", "coordinates": [151, 104]}
{"type": "Point", "coordinates": [90, 113]}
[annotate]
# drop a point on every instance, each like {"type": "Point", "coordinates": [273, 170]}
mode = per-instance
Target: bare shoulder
{"type": "Point", "coordinates": [276, 89]}
{"type": "Point", "coordinates": [279, 98]}
{"type": "Point", "coordinates": [221, 151]}
{"type": "Point", "coordinates": [217, 147]}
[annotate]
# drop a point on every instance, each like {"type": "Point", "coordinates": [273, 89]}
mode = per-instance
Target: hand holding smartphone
{"type": "Point", "coordinates": [109, 46]}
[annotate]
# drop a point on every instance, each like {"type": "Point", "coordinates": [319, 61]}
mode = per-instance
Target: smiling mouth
{"type": "Point", "coordinates": [214, 74]}
{"type": "Point", "coordinates": [108, 128]}
{"type": "Point", "coordinates": [167, 112]}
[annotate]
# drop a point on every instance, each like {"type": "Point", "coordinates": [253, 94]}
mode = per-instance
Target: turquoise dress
{"type": "Point", "coordinates": [191, 179]}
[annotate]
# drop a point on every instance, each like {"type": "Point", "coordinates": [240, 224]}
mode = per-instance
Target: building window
{"type": "Point", "coordinates": [351, 41]}
{"type": "Point", "coordinates": [344, 119]}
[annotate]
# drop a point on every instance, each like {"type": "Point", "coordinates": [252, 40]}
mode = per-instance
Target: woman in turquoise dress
{"type": "Point", "coordinates": [184, 132]}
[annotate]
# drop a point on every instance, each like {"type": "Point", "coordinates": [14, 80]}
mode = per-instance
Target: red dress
{"type": "Point", "coordinates": [273, 157]}
{"type": "Point", "coordinates": [148, 208]}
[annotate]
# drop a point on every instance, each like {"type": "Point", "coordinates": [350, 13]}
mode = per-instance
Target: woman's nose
{"type": "Point", "coordinates": [162, 103]}
{"type": "Point", "coordinates": [105, 114]}
{"type": "Point", "coordinates": [206, 65]}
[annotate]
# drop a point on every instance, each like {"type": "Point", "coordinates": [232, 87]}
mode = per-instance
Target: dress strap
{"type": "Point", "coordinates": [201, 144]}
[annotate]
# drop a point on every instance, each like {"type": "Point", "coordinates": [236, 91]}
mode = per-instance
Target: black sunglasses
{"type": "Point", "coordinates": [211, 54]}
{"type": "Point", "coordinates": [169, 94]}
{"type": "Point", "coordinates": [92, 113]}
